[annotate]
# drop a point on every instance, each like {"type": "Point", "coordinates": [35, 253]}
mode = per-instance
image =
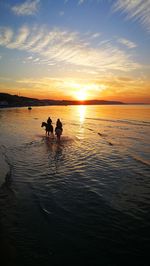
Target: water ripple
{"type": "Point", "coordinates": [82, 197]}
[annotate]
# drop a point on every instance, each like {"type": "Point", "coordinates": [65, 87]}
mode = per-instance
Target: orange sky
{"type": "Point", "coordinates": [54, 51]}
{"type": "Point", "coordinates": [109, 88]}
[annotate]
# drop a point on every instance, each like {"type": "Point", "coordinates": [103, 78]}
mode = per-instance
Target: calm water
{"type": "Point", "coordinates": [83, 201]}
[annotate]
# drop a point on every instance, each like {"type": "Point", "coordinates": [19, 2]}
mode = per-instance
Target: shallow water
{"type": "Point", "coordinates": [84, 200]}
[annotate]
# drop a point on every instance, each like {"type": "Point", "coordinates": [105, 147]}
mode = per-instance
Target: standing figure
{"type": "Point", "coordinates": [58, 129]}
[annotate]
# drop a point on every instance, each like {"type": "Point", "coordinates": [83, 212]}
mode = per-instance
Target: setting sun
{"type": "Point", "coordinates": [74, 132]}
{"type": "Point", "coordinates": [52, 50]}
{"type": "Point", "coordinates": [81, 95]}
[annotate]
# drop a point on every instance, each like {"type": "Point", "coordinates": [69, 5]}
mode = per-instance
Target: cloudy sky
{"type": "Point", "coordinates": [76, 49]}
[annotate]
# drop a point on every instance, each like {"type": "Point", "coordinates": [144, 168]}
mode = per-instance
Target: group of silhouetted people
{"type": "Point", "coordinates": [58, 128]}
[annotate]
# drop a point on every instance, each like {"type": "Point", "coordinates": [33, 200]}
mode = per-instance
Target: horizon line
{"type": "Point", "coordinates": [83, 102]}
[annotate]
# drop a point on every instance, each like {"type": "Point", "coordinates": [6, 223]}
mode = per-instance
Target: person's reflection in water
{"type": "Point", "coordinates": [58, 156]}
{"type": "Point", "coordinates": [55, 154]}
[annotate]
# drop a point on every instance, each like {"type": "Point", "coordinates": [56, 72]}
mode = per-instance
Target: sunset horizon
{"type": "Point", "coordinates": [74, 132]}
{"type": "Point", "coordinates": [79, 100]}
{"type": "Point", "coordinates": [75, 50]}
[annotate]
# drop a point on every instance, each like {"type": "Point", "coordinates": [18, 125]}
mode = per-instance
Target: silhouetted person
{"type": "Point", "coordinates": [49, 121]}
{"type": "Point", "coordinates": [58, 129]}
{"type": "Point", "coordinates": [59, 124]}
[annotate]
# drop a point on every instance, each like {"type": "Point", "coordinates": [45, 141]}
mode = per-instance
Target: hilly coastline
{"type": "Point", "coordinates": [8, 100]}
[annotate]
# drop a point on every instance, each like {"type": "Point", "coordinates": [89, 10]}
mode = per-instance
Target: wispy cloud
{"type": "Point", "coordinates": [61, 13]}
{"type": "Point", "coordinates": [5, 35]}
{"type": "Point", "coordinates": [29, 58]}
{"type": "Point", "coordinates": [20, 38]}
{"type": "Point", "coordinates": [127, 43]}
{"type": "Point", "coordinates": [136, 10]}
{"type": "Point", "coordinates": [68, 48]}
{"type": "Point", "coordinates": [29, 7]}
{"type": "Point", "coordinates": [80, 2]}
{"type": "Point", "coordinates": [36, 59]}
{"type": "Point", "coordinates": [95, 35]}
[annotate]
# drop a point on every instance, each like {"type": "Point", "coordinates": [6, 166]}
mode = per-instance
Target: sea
{"type": "Point", "coordinates": [82, 201]}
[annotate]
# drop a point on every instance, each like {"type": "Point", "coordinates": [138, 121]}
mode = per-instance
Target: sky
{"type": "Point", "coordinates": [76, 49]}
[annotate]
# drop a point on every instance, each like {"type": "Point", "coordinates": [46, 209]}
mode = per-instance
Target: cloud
{"type": "Point", "coordinates": [5, 35]}
{"type": "Point", "coordinates": [29, 7]}
{"type": "Point", "coordinates": [67, 48]}
{"type": "Point", "coordinates": [20, 39]}
{"type": "Point", "coordinates": [36, 59]}
{"type": "Point", "coordinates": [135, 10]}
{"type": "Point", "coordinates": [95, 35]}
{"type": "Point", "coordinates": [127, 43]}
{"type": "Point", "coordinates": [61, 13]}
{"type": "Point", "coordinates": [80, 2]}
{"type": "Point", "coordinates": [29, 58]}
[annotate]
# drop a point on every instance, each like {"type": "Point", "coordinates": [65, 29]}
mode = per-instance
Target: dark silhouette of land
{"type": "Point", "coordinates": [8, 100]}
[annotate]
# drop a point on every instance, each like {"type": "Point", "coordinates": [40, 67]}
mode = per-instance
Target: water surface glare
{"type": "Point", "coordinates": [83, 201]}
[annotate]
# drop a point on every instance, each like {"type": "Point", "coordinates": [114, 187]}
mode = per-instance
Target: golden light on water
{"type": "Point", "coordinates": [82, 112]}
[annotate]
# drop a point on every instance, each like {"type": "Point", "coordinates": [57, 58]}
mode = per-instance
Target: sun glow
{"type": "Point", "coordinates": [82, 91]}
{"type": "Point", "coordinates": [81, 95]}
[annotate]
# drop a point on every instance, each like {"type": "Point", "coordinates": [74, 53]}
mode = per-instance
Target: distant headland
{"type": "Point", "coordinates": [8, 100]}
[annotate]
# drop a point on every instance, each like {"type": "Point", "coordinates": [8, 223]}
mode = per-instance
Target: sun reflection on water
{"type": "Point", "coordinates": [82, 112]}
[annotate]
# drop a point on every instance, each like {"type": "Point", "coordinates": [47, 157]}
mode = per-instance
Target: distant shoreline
{"type": "Point", "coordinates": [8, 101]}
